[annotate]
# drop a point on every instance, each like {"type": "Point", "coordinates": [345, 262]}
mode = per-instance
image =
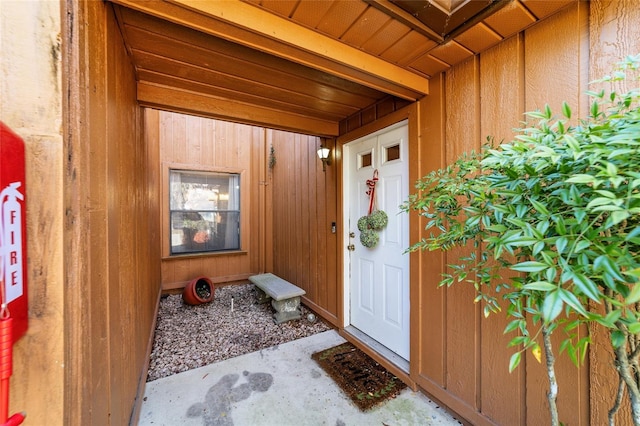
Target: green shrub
{"type": "Point", "coordinates": [560, 205]}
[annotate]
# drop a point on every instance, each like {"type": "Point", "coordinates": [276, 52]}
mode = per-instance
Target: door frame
{"type": "Point", "coordinates": [346, 214]}
{"type": "Point", "coordinates": [409, 113]}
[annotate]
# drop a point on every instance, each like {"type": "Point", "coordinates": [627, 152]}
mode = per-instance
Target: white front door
{"type": "Point", "coordinates": [377, 279]}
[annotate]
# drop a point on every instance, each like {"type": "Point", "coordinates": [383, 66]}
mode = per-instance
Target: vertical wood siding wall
{"type": "Point", "coordinates": [190, 142]}
{"type": "Point", "coordinates": [304, 207]}
{"type": "Point", "coordinates": [614, 33]}
{"type": "Point", "coordinates": [465, 357]}
{"type": "Point", "coordinates": [287, 209]}
{"type": "Point", "coordinates": [111, 265]}
{"type": "Point", "coordinates": [114, 229]}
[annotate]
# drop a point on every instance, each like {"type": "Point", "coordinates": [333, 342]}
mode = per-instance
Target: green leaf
{"type": "Point", "coordinates": [581, 178]}
{"type": "Point", "coordinates": [571, 351]}
{"type": "Point", "coordinates": [604, 263]}
{"type": "Point", "coordinates": [617, 338]}
{"type": "Point", "coordinates": [586, 286]}
{"type": "Point", "coordinates": [571, 300]}
{"type": "Point", "coordinates": [561, 244]}
{"type": "Point", "coordinates": [634, 295]}
{"type": "Point", "coordinates": [542, 226]}
{"type": "Point", "coordinates": [520, 241]}
{"type": "Point", "coordinates": [633, 234]}
{"type": "Point", "coordinates": [487, 311]}
{"type": "Point", "coordinates": [583, 344]}
{"type": "Point", "coordinates": [541, 208]}
{"type": "Point", "coordinates": [634, 328]}
{"type": "Point", "coordinates": [581, 245]}
{"type": "Point", "coordinates": [497, 228]}
{"type": "Point", "coordinates": [550, 274]}
{"type": "Point", "coordinates": [514, 361]}
{"type": "Point", "coordinates": [609, 208]}
{"type": "Point", "coordinates": [541, 286]}
{"type": "Point", "coordinates": [566, 110]}
{"type": "Point", "coordinates": [573, 143]}
{"type": "Point", "coordinates": [552, 306]}
{"type": "Point", "coordinates": [547, 112]}
{"type": "Point", "coordinates": [633, 272]}
{"type": "Point", "coordinates": [561, 128]}
{"type": "Point", "coordinates": [611, 318]}
{"type": "Point", "coordinates": [529, 266]}
{"type": "Point", "coordinates": [517, 222]}
{"type": "Point", "coordinates": [600, 201]}
{"type": "Point", "coordinates": [561, 229]}
{"type": "Point", "coordinates": [607, 194]}
{"type": "Point", "coordinates": [513, 325]}
{"type": "Point", "coordinates": [518, 340]}
{"type": "Point", "coordinates": [537, 248]}
{"type": "Point", "coordinates": [617, 217]}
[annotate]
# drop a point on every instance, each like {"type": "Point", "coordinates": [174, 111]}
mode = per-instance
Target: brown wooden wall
{"type": "Point", "coordinates": [287, 209]}
{"type": "Point", "coordinates": [304, 208]}
{"type": "Point", "coordinates": [190, 142]}
{"type": "Point", "coordinates": [113, 206]}
{"type": "Point", "coordinates": [464, 357]}
{"type": "Point", "coordinates": [614, 33]}
{"type": "Point", "coordinates": [111, 264]}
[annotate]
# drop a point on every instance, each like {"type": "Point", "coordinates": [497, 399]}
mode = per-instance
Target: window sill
{"type": "Point", "coordinates": [207, 254]}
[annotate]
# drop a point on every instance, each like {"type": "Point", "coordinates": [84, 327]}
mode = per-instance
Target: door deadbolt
{"type": "Point", "coordinates": [352, 234]}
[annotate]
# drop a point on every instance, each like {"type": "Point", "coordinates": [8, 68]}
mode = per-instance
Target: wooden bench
{"type": "Point", "coordinates": [284, 296]}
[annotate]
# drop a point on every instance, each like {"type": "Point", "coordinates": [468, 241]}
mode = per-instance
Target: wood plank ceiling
{"type": "Point", "coordinates": [306, 65]}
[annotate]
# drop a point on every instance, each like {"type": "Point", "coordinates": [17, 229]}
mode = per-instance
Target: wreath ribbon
{"type": "Point", "coordinates": [371, 192]}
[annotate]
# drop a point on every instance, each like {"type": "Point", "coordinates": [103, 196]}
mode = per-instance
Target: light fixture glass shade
{"type": "Point", "coordinates": [323, 153]}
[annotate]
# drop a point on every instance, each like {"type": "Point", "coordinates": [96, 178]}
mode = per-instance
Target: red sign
{"type": "Point", "coordinates": [13, 232]}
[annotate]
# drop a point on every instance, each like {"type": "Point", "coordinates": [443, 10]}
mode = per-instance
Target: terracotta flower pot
{"type": "Point", "coordinates": [198, 291]}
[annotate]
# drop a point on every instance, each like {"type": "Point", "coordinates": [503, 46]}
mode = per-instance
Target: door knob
{"type": "Point", "coordinates": [351, 247]}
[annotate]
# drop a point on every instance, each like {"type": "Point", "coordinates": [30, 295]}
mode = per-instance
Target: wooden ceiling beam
{"type": "Point", "coordinates": [406, 18]}
{"type": "Point", "coordinates": [253, 27]}
{"type": "Point", "coordinates": [188, 102]}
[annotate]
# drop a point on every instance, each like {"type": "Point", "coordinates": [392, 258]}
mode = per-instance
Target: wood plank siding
{"type": "Point", "coordinates": [97, 173]}
{"type": "Point", "coordinates": [286, 210]}
{"type": "Point", "coordinates": [304, 209]}
{"type": "Point", "coordinates": [112, 269]}
{"type": "Point", "coordinates": [195, 143]}
{"type": "Point", "coordinates": [463, 357]}
{"type": "Point", "coordinates": [466, 356]}
{"type": "Point", "coordinates": [614, 33]}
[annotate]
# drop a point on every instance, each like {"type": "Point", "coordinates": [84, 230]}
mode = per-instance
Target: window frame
{"type": "Point", "coordinates": [167, 249]}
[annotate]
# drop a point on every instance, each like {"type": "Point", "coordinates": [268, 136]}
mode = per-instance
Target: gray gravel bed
{"type": "Point", "coordinates": [188, 337]}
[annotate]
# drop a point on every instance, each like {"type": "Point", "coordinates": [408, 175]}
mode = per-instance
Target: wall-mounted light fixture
{"type": "Point", "coordinates": [324, 156]}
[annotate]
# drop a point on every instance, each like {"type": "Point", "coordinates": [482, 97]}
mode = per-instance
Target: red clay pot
{"type": "Point", "coordinates": [198, 291]}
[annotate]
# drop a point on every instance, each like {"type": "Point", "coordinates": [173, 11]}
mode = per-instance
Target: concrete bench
{"type": "Point", "coordinates": [284, 296]}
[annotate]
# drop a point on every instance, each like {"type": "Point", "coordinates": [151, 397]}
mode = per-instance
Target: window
{"type": "Point", "coordinates": [365, 159]}
{"type": "Point", "coordinates": [392, 152]}
{"type": "Point", "coordinates": [204, 210]}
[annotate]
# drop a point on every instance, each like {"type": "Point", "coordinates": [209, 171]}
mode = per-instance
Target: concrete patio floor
{"type": "Point", "coordinates": [279, 386]}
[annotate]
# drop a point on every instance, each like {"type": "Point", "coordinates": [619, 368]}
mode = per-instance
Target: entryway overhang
{"type": "Point", "coordinates": [306, 66]}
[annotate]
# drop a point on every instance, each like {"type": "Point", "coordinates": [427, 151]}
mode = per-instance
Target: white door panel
{"type": "Point", "coordinates": [391, 192]}
{"type": "Point", "coordinates": [378, 278]}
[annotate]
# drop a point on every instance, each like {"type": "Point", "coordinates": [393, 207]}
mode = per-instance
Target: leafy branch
{"type": "Point", "coordinates": [560, 206]}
